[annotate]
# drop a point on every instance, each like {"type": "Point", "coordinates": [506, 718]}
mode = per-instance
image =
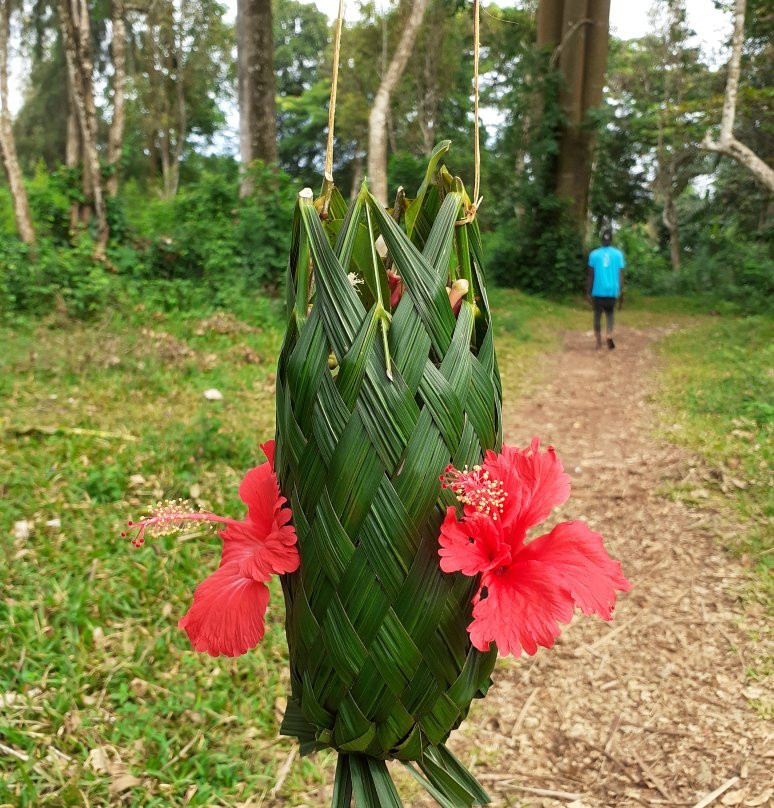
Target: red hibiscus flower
{"type": "Point", "coordinates": [396, 288]}
{"type": "Point", "coordinates": [227, 615]}
{"type": "Point", "coordinates": [526, 589]}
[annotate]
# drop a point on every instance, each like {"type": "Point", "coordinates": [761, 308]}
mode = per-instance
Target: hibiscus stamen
{"type": "Point", "coordinates": [170, 516]}
{"type": "Point", "coordinates": [476, 488]}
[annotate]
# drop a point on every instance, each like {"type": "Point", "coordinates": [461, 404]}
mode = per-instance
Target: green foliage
{"type": "Point", "coordinates": [403, 168]}
{"type": "Point", "coordinates": [40, 128]}
{"type": "Point", "coordinates": [40, 279]}
{"type": "Point", "coordinates": [662, 94]}
{"type": "Point", "coordinates": [50, 195]}
{"type": "Point", "coordinates": [718, 391]}
{"type": "Point", "coordinates": [536, 246]}
{"type": "Point", "coordinates": [726, 269]}
{"type": "Point", "coordinates": [78, 599]}
{"type": "Point", "coordinates": [539, 252]}
{"type": "Point", "coordinates": [204, 244]}
{"type": "Point", "coordinates": [206, 232]}
{"type": "Point", "coordinates": [646, 263]}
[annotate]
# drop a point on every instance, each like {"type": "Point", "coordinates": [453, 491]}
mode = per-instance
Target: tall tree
{"type": "Point", "coordinates": [256, 83]}
{"type": "Point", "coordinates": [727, 144]}
{"type": "Point", "coordinates": [116, 132]}
{"type": "Point", "coordinates": [182, 70]}
{"type": "Point", "coordinates": [302, 71]}
{"type": "Point", "coordinates": [21, 206]}
{"type": "Point", "coordinates": [579, 32]}
{"type": "Point", "coordinates": [669, 158]}
{"type": "Point", "coordinates": [378, 118]}
{"type": "Point", "coordinates": [76, 40]}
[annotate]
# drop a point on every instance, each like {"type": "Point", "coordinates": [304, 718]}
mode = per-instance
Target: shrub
{"type": "Point", "coordinates": [208, 233]}
{"type": "Point", "coordinates": [36, 279]}
{"type": "Point", "coordinates": [725, 268]}
{"type": "Point", "coordinates": [539, 251]}
{"type": "Point", "coordinates": [204, 246]}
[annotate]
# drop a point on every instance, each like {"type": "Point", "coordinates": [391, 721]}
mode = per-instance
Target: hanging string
{"type": "Point", "coordinates": [501, 19]}
{"type": "Point", "coordinates": [476, 133]}
{"type": "Point", "coordinates": [334, 89]}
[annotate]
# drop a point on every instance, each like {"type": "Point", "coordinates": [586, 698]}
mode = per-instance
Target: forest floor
{"type": "Point", "coordinates": [668, 442]}
{"type": "Point", "coordinates": [661, 706]}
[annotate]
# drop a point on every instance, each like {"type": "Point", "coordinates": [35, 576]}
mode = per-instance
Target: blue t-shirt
{"type": "Point", "coordinates": [607, 262]}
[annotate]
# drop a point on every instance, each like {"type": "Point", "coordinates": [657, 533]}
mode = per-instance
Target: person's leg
{"type": "Point", "coordinates": [610, 320]}
{"type": "Point", "coordinates": [597, 303]}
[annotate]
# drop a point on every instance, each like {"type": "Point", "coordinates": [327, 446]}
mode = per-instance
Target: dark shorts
{"type": "Point", "coordinates": [607, 305]}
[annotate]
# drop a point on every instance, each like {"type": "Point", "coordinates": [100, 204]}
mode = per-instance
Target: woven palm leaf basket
{"type": "Point", "coordinates": [372, 406]}
{"type": "Point", "coordinates": [389, 505]}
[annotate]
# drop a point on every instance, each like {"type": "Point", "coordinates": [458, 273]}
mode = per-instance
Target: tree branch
{"type": "Point", "coordinates": [727, 144]}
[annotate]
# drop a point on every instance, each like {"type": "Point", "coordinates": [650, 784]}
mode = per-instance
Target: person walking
{"type": "Point", "coordinates": [605, 285]}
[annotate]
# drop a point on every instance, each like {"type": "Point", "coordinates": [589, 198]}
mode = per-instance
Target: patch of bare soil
{"type": "Point", "coordinates": [653, 708]}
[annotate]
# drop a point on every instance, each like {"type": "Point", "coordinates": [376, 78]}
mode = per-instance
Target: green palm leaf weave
{"type": "Point", "coordinates": [371, 408]}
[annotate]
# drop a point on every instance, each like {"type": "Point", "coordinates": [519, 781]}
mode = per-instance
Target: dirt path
{"type": "Point", "coordinates": [652, 709]}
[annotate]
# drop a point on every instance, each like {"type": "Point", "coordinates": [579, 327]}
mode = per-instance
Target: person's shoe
{"type": "Point", "coordinates": [610, 343]}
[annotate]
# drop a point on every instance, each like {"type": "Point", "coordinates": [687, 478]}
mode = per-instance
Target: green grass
{"type": "Point", "coordinates": [91, 656]}
{"type": "Point", "coordinates": [96, 681]}
{"type": "Point", "coordinates": [718, 392]}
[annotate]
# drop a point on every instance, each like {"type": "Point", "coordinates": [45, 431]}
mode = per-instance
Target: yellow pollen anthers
{"type": "Point", "coordinates": [166, 517]}
{"type": "Point", "coordinates": [476, 488]}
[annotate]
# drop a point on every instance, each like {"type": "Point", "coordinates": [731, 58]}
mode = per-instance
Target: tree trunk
{"type": "Point", "coordinates": [595, 68]}
{"type": "Point", "coordinates": [377, 120]}
{"type": "Point", "coordinates": [579, 31]}
{"type": "Point", "coordinates": [549, 22]}
{"type": "Point", "coordinates": [76, 40]}
{"type": "Point", "coordinates": [572, 147]}
{"type": "Point", "coordinates": [428, 101]}
{"type": "Point", "coordinates": [21, 206]}
{"type": "Point", "coordinates": [116, 133]}
{"type": "Point", "coordinates": [669, 217]}
{"type": "Point", "coordinates": [727, 144]}
{"type": "Point", "coordinates": [181, 119]}
{"type": "Point", "coordinates": [256, 85]}
{"type": "Point", "coordinates": [72, 153]}
{"type": "Point", "coordinates": [357, 175]}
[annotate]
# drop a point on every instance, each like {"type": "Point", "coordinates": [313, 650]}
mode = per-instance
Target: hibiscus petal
{"type": "Point", "coordinates": [275, 555]}
{"type": "Point", "coordinates": [268, 449]}
{"type": "Point", "coordinates": [519, 609]}
{"type": "Point", "coordinates": [473, 546]}
{"type": "Point", "coordinates": [243, 544]}
{"type": "Point", "coordinates": [523, 605]}
{"type": "Point", "coordinates": [534, 482]}
{"type": "Point", "coordinates": [259, 557]}
{"type": "Point", "coordinates": [260, 492]}
{"type": "Point", "coordinates": [263, 543]}
{"type": "Point", "coordinates": [577, 556]}
{"type": "Point", "coordinates": [227, 615]}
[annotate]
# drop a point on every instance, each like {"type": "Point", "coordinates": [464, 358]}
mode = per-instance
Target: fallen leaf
{"type": "Point", "coordinates": [21, 529]}
{"type": "Point", "coordinates": [280, 704]}
{"type": "Point", "coordinates": [189, 794]}
{"type": "Point", "coordinates": [70, 724]}
{"type": "Point", "coordinates": [761, 799]}
{"type": "Point", "coordinates": [123, 782]}
{"type": "Point", "coordinates": [98, 635]}
{"type": "Point", "coordinates": [99, 759]}
{"type": "Point", "coordinates": [106, 760]}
